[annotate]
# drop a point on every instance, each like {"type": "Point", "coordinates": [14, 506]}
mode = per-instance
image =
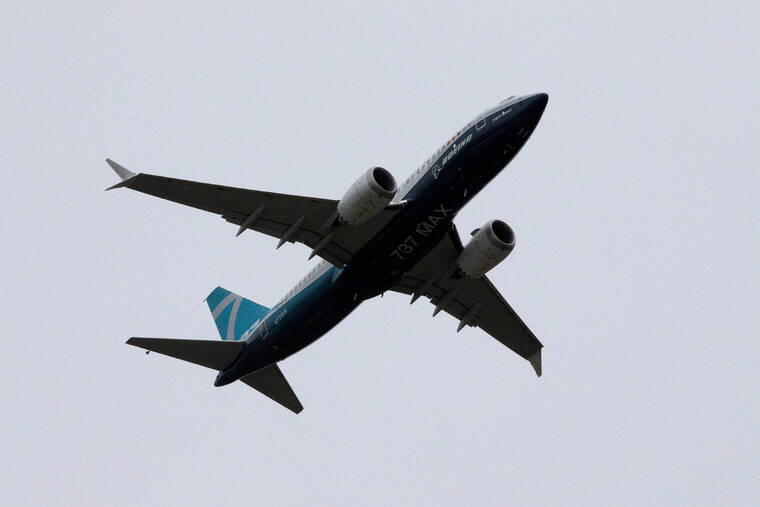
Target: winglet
{"type": "Point", "coordinates": [124, 173]}
{"type": "Point", "coordinates": [535, 362]}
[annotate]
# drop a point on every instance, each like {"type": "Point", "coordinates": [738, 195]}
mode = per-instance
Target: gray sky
{"type": "Point", "coordinates": [634, 205]}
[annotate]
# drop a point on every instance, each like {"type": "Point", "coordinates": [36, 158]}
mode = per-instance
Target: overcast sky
{"type": "Point", "coordinates": [634, 204]}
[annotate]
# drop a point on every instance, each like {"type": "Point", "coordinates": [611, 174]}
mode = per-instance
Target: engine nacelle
{"type": "Point", "coordinates": [372, 192]}
{"type": "Point", "coordinates": [488, 246]}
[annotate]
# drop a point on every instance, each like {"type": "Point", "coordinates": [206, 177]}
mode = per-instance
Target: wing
{"type": "Point", "coordinates": [474, 301]}
{"type": "Point", "coordinates": [292, 218]}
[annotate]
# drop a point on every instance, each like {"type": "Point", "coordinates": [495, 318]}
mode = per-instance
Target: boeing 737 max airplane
{"type": "Point", "coordinates": [380, 236]}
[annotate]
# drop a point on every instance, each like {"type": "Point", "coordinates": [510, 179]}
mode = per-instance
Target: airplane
{"type": "Point", "coordinates": [380, 236]}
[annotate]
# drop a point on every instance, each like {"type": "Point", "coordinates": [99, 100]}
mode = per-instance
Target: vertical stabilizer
{"type": "Point", "coordinates": [235, 316]}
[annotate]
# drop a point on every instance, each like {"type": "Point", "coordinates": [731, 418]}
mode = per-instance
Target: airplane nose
{"type": "Point", "coordinates": [532, 108]}
{"type": "Point", "coordinates": [536, 103]}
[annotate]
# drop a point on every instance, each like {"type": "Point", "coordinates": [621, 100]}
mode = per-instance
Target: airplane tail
{"type": "Point", "coordinates": [235, 316]}
{"type": "Point", "coordinates": [269, 381]}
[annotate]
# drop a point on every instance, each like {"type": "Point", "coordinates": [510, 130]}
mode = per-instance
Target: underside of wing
{"type": "Point", "coordinates": [473, 301]}
{"type": "Point", "coordinates": [290, 218]}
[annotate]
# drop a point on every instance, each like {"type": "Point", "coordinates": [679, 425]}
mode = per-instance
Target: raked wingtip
{"type": "Point", "coordinates": [124, 173]}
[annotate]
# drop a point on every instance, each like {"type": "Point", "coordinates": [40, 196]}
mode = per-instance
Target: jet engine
{"type": "Point", "coordinates": [488, 246]}
{"type": "Point", "coordinates": [372, 192]}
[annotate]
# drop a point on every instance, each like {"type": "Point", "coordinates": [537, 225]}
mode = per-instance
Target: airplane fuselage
{"type": "Point", "coordinates": [431, 198]}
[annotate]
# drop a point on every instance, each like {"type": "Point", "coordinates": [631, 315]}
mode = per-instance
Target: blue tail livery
{"type": "Point", "coordinates": [380, 236]}
{"type": "Point", "coordinates": [235, 317]}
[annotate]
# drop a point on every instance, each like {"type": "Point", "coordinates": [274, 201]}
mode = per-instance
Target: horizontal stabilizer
{"type": "Point", "coordinates": [209, 353]}
{"type": "Point", "coordinates": [270, 382]}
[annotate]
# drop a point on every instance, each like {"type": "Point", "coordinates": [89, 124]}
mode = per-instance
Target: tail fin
{"type": "Point", "coordinates": [235, 316]}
